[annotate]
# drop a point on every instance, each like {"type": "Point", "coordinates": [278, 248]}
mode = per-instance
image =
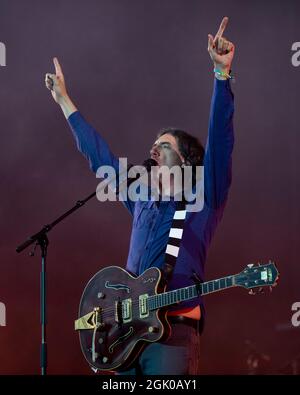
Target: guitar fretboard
{"type": "Point", "coordinates": [187, 293]}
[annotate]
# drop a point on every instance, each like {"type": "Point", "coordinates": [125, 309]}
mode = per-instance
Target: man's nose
{"type": "Point", "coordinates": [154, 151]}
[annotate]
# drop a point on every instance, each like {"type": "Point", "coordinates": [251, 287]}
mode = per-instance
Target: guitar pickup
{"type": "Point", "coordinates": [127, 310]}
{"type": "Point", "coordinates": [143, 306]}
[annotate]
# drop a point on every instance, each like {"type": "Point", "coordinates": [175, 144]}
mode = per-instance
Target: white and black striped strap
{"type": "Point", "coordinates": [175, 236]}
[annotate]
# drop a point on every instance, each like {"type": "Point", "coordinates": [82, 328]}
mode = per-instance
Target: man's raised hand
{"type": "Point", "coordinates": [220, 49]}
{"type": "Point", "coordinates": [56, 82]}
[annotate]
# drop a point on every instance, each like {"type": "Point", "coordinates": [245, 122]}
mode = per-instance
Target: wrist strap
{"type": "Point", "coordinates": [223, 74]}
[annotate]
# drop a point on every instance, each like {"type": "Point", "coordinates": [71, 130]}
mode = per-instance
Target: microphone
{"type": "Point", "coordinates": [148, 163]}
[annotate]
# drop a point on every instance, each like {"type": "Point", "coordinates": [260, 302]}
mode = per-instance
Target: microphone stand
{"type": "Point", "coordinates": [40, 239]}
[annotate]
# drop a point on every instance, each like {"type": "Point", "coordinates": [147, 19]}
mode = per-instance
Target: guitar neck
{"type": "Point", "coordinates": [182, 294]}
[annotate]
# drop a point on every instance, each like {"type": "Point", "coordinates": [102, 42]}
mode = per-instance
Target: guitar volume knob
{"type": "Point", "coordinates": [153, 329]}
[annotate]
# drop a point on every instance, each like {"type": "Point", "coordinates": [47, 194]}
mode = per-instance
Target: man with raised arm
{"type": "Point", "coordinates": [152, 220]}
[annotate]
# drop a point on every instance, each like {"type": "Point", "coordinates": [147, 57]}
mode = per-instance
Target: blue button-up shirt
{"type": "Point", "coordinates": [152, 222]}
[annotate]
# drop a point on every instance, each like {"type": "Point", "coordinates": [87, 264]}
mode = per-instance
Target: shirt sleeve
{"type": "Point", "coordinates": [218, 153]}
{"type": "Point", "coordinates": [94, 148]}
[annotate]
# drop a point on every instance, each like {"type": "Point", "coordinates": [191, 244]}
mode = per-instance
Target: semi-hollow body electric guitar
{"type": "Point", "coordinates": [119, 314]}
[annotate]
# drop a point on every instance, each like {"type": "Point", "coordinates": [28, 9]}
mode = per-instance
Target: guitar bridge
{"type": "Point", "coordinates": [118, 312]}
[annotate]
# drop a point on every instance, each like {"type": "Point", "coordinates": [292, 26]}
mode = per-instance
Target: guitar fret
{"type": "Point", "coordinates": [216, 285]}
{"type": "Point", "coordinates": [229, 281]}
{"type": "Point", "coordinates": [181, 294]}
{"type": "Point", "coordinates": [190, 292]}
{"type": "Point", "coordinates": [222, 283]}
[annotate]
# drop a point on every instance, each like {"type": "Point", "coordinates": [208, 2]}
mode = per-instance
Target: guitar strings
{"type": "Point", "coordinates": [110, 311]}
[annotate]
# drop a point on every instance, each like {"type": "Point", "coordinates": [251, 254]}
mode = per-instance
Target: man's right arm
{"type": "Point", "coordinates": [56, 84]}
{"type": "Point", "coordinates": [67, 106]}
{"type": "Point", "coordinates": [89, 142]}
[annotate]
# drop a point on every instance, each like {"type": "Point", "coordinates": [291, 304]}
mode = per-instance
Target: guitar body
{"type": "Point", "coordinates": [113, 338]}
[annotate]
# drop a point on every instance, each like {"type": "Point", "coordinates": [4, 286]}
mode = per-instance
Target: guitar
{"type": "Point", "coordinates": [119, 314]}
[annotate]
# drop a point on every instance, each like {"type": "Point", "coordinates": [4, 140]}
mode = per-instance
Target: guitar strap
{"type": "Point", "coordinates": [173, 246]}
{"type": "Point", "coordinates": [175, 236]}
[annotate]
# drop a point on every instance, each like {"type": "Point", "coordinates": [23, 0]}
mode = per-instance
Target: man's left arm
{"type": "Point", "coordinates": [217, 161]}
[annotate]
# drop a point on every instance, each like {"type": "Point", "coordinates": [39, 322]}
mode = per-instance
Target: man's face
{"type": "Point", "coordinates": [165, 151]}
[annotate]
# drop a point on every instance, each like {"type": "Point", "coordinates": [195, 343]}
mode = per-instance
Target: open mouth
{"type": "Point", "coordinates": [155, 160]}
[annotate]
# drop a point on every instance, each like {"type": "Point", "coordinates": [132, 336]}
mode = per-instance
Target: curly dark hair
{"type": "Point", "coordinates": [189, 146]}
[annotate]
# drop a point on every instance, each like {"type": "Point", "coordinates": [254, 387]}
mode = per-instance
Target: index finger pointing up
{"type": "Point", "coordinates": [222, 27]}
{"type": "Point", "coordinates": [58, 69]}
